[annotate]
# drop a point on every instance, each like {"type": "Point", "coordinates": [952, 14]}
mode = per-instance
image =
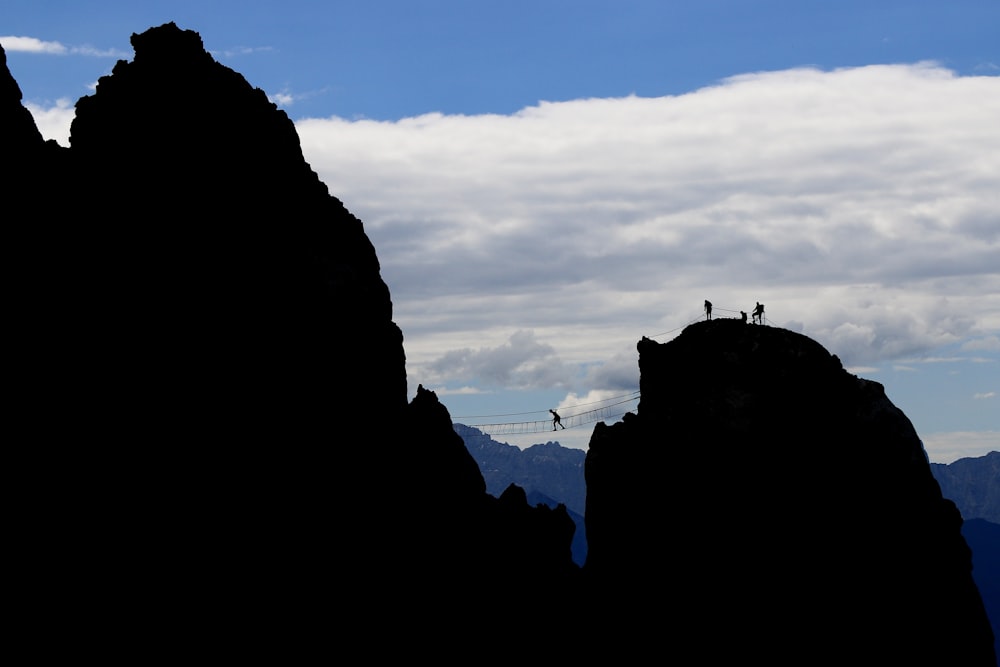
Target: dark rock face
{"type": "Point", "coordinates": [215, 312]}
{"type": "Point", "coordinates": [215, 237]}
{"type": "Point", "coordinates": [18, 133]}
{"type": "Point", "coordinates": [750, 522]}
{"type": "Point", "coordinates": [983, 537]}
{"type": "Point", "coordinates": [207, 346]}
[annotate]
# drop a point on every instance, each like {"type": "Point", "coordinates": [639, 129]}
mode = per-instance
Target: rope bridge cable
{"type": "Point", "coordinates": [569, 420]}
{"type": "Point", "coordinates": [683, 326]}
{"type": "Point", "coordinates": [634, 394]}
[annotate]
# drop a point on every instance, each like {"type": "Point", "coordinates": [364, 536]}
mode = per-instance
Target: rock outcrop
{"type": "Point", "coordinates": [213, 384]}
{"type": "Point", "coordinates": [785, 509]}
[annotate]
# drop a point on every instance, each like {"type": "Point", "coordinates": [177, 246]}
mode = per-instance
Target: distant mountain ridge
{"type": "Point", "coordinates": [549, 473]}
{"type": "Point", "coordinates": [548, 468]}
{"type": "Point", "coordinates": [973, 484]}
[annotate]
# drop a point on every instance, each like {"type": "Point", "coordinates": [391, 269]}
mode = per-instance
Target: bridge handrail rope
{"type": "Point", "coordinates": [541, 426]}
{"type": "Point", "coordinates": [568, 420]}
{"type": "Point", "coordinates": [538, 412]}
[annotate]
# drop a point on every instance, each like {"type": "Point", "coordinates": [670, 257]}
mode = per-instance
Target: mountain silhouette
{"type": "Point", "coordinates": [750, 504]}
{"type": "Point", "coordinates": [218, 444]}
{"type": "Point", "coordinates": [215, 389]}
{"type": "Point", "coordinates": [974, 484]}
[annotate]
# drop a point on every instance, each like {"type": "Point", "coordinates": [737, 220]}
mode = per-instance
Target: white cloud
{"type": "Point", "coordinates": [282, 99]}
{"type": "Point", "coordinates": [858, 205]}
{"type": "Point", "coordinates": [951, 446]}
{"type": "Point", "coordinates": [31, 45]}
{"type": "Point", "coordinates": [13, 43]}
{"type": "Point", "coordinates": [597, 405]}
{"type": "Point", "coordinates": [54, 122]}
{"type": "Point", "coordinates": [988, 394]}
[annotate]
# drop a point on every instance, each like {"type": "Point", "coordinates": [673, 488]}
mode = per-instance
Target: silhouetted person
{"type": "Point", "coordinates": [758, 313]}
{"type": "Point", "coordinates": [708, 309]}
{"type": "Point", "coordinates": [743, 315]}
{"type": "Point", "coordinates": [556, 421]}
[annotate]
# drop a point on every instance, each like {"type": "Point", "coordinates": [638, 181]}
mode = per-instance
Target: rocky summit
{"type": "Point", "coordinates": [785, 508]}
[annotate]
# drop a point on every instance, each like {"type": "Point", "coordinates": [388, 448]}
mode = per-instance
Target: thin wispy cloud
{"type": "Point", "coordinates": [461, 391]}
{"type": "Point", "coordinates": [282, 99]}
{"type": "Point", "coordinates": [286, 98]}
{"type": "Point", "coordinates": [986, 344]}
{"type": "Point", "coordinates": [989, 394]}
{"type": "Point", "coordinates": [238, 51]}
{"type": "Point", "coordinates": [13, 43]}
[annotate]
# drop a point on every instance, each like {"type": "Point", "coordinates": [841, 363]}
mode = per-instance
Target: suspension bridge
{"type": "Point", "coordinates": [570, 417]}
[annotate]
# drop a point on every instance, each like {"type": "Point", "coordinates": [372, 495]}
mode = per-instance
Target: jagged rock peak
{"type": "Point", "coordinates": [168, 43]}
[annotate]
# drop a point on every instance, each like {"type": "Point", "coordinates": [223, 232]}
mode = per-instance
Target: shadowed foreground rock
{"type": "Point", "coordinates": [785, 509]}
{"type": "Point", "coordinates": [213, 385]}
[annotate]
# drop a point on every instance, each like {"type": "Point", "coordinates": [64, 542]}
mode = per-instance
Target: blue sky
{"type": "Point", "coordinates": [546, 182]}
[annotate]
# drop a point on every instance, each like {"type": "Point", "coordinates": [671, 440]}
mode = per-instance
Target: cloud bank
{"type": "Point", "coordinates": [860, 205]}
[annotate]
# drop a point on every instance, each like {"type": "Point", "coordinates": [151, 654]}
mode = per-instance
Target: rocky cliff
{"type": "Point", "coordinates": [213, 392]}
{"type": "Point", "coordinates": [753, 527]}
